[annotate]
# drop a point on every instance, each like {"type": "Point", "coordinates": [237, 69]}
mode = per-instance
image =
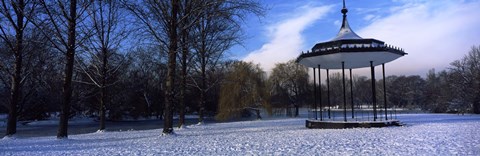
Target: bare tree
{"type": "Point", "coordinates": [466, 73]}
{"type": "Point", "coordinates": [217, 30]}
{"type": "Point", "coordinates": [362, 89]}
{"type": "Point", "coordinates": [168, 23]}
{"type": "Point", "coordinates": [171, 66]}
{"type": "Point", "coordinates": [59, 19]}
{"type": "Point", "coordinates": [105, 19]}
{"type": "Point", "coordinates": [406, 91]}
{"type": "Point", "coordinates": [161, 19]}
{"type": "Point", "coordinates": [148, 70]}
{"type": "Point", "coordinates": [336, 92]}
{"type": "Point", "coordinates": [209, 46]}
{"type": "Point", "coordinates": [290, 79]}
{"type": "Point", "coordinates": [441, 94]}
{"type": "Point", "coordinates": [190, 15]}
{"type": "Point", "coordinates": [187, 6]}
{"type": "Point", "coordinates": [13, 23]}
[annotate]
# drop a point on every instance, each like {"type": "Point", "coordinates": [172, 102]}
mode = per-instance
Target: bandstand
{"type": "Point", "coordinates": [348, 51]}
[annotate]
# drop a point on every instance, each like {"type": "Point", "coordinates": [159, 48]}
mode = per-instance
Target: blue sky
{"type": "Point", "coordinates": [433, 32]}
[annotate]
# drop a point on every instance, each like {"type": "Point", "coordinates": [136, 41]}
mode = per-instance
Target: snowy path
{"type": "Point", "coordinates": [425, 134]}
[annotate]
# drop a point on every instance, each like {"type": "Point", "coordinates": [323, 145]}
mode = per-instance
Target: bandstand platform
{"type": "Point", "coordinates": [318, 124]}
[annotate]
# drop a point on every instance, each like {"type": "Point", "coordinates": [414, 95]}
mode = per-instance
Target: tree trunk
{"type": "Point", "coordinates": [170, 90]}
{"type": "Point", "coordinates": [201, 112]}
{"type": "Point", "coordinates": [257, 111]}
{"type": "Point", "coordinates": [476, 105]}
{"type": "Point", "coordinates": [203, 84]}
{"type": "Point", "coordinates": [102, 109]}
{"type": "Point", "coordinates": [67, 85]}
{"type": "Point", "coordinates": [160, 113]}
{"type": "Point", "coordinates": [103, 90]}
{"type": "Point", "coordinates": [297, 110]}
{"type": "Point", "coordinates": [17, 77]}
{"type": "Point", "coordinates": [183, 85]}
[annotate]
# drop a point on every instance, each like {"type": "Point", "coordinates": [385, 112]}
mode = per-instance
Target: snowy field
{"type": "Point", "coordinates": [424, 134]}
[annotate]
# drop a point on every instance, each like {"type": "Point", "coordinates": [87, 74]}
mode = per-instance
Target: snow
{"type": "Point", "coordinates": [425, 134]}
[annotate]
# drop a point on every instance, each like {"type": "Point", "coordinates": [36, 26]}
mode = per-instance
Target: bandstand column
{"type": "Point", "coordinates": [315, 94]}
{"type": "Point", "coordinates": [374, 94]}
{"type": "Point", "coordinates": [328, 94]}
{"type": "Point", "coordinates": [351, 93]}
{"type": "Point", "coordinates": [384, 92]}
{"type": "Point", "coordinates": [320, 90]}
{"type": "Point", "coordinates": [344, 94]}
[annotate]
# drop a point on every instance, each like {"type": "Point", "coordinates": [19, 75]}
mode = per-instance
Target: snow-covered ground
{"type": "Point", "coordinates": [425, 134]}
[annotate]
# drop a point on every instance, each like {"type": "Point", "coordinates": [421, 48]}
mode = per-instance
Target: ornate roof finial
{"type": "Point", "coordinates": [345, 31]}
{"type": "Point", "coordinates": [344, 10]}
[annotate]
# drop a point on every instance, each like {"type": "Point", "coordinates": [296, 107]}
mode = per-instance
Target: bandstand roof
{"type": "Point", "coordinates": [350, 48]}
{"type": "Point", "coordinates": [346, 32]}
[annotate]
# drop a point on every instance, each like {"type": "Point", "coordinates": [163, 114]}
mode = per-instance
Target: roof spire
{"type": "Point", "coordinates": [345, 31]}
{"type": "Point", "coordinates": [344, 10]}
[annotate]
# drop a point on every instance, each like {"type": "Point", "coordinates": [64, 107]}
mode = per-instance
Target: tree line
{"type": "Point", "coordinates": [112, 60]}
{"type": "Point", "coordinates": [455, 89]}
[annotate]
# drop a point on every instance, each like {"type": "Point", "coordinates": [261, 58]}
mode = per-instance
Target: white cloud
{"type": "Point", "coordinates": [337, 23]}
{"type": "Point", "coordinates": [370, 17]}
{"type": "Point", "coordinates": [286, 40]}
{"type": "Point", "coordinates": [433, 33]}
